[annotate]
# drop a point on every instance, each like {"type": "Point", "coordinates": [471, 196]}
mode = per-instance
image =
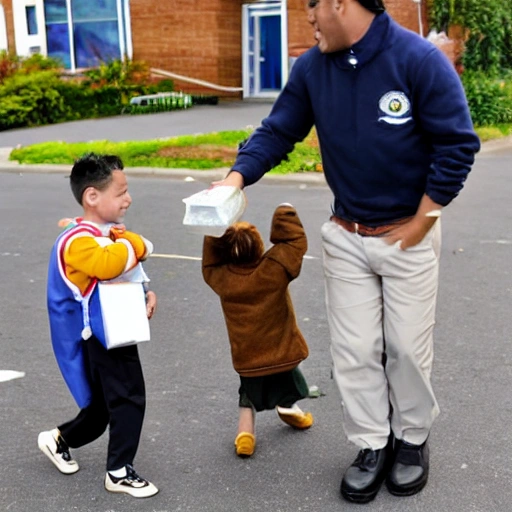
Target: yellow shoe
{"type": "Point", "coordinates": [245, 443]}
{"type": "Point", "coordinates": [295, 417]}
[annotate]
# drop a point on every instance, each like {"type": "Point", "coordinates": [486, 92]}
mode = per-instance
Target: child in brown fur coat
{"type": "Point", "coordinates": [266, 343]}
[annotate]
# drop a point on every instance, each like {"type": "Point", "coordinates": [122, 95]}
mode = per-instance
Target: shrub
{"type": "Point", "coordinates": [30, 100]}
{"type": "Point", "coordinates": [118, 73]}
{"type": "Point", "coordinates": [165, 85]}
{"type": "Point", "coordinates": [8, 65]}
{"type": "Point", "coordinates": [38, 62]}
{"type": "Point", "coordinates": [489, 46]}
{"type": "Point", "coordinates": [489, 99]}
{"type": "Point", "coordinates": [32, 92]}
{"type": "Point", "coordinates": [204, 99]}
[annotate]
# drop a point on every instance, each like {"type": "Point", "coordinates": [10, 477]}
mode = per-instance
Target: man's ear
{"type": "Point", "coordinates": [90, 196]}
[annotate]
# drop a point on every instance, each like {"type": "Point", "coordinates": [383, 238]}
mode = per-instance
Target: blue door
{"type": "Point", "coordinates": [270, 53]}
{"type": "Point", "coordinates": [264, 35]}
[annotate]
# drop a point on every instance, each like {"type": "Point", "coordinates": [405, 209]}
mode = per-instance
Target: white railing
{"type": "Point", "coordinates": [196, 81]}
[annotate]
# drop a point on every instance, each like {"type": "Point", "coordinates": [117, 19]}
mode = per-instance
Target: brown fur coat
{"type": "Point", "coordinates": [260, 319]}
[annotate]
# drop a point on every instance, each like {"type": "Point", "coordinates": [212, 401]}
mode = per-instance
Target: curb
{"type": "Point", "coordinates": [308, 178]}
{"type": "Point", "coordinates": [496, 144]}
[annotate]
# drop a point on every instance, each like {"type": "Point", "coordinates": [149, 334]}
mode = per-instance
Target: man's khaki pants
{"type": "Point", "coordinates": [380, 299]}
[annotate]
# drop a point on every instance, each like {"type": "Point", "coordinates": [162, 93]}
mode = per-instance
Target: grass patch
{"type": "Point", "coordinates": [493, 132]}
{"type": "Point", "coordinates": [204, 151]}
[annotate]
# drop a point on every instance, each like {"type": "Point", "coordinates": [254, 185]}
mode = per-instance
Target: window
{"type": "Point", "coordinates": [84, 33]}
{"type": "Point", "coordinates": [30, 13]}
{"type": "Point", "coordinates": [57, 31]}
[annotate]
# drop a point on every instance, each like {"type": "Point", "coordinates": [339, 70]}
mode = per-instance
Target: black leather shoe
{"type": "Point", "coordinates": [363, 478]}
{"type": "Point", "coordinates": [409, 473]}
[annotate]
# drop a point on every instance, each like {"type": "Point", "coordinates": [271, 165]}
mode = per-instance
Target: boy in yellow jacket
{"type": "Point", "coordinates": [107, 385]}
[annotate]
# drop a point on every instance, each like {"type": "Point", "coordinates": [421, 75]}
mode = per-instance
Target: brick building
{"type": "Point", "coordinates": [233, 43]}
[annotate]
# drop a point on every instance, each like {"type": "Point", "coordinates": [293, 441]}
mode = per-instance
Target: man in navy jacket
{"type": "Point", "coordinates": [397, 144]}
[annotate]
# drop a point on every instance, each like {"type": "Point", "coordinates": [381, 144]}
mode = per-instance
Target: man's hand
{"type": "Point", "coordinates": [150, 303]}
{"type": "Point", "coordinates": [413, 232]}
{"type": "Point", "coordinates": [233, 179]}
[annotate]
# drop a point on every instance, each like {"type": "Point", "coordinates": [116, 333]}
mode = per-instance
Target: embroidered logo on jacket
{"type": "Point", "coordinates": [396, 107]}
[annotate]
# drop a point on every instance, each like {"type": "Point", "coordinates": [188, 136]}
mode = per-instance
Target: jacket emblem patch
{"type": "Point", "coordinates": [395, 107]}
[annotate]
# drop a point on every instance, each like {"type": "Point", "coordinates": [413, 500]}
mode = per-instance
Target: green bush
{"type": "Point", "coordinates": [31, 100]}
{"type": "Point", "coordinates": [78, 100]}
{"type": "Point", "coordinates": [489, 99]}
{"type": "Point", "coordinates": [204, 99]}
{"type": "Point", "coordinates": [489, 46]}
{"type": "Point", "coordinates": [33, 92]}
{"type": "Point", "coordinates": [9, 64]}
{"type": "Point", "coordinates": [165, 85]}
{"type": "Point", "coordinates": [118, 73]}
{"type": "Point", "coordinates": [38, 62]}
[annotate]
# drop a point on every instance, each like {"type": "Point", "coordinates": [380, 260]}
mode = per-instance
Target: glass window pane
{"type": "Point", "coordinates": [93, 10]}
{"type": "Point", "coordinates": [57, 37]}
{"type": "Point", "coordinates": [57, 32]}
{"type": "Point", "coordinates": [96, 42]}
{"type": "Point", "coordinates": [55, 11]}
{"type": "Point", "coordinates": [30, 12]}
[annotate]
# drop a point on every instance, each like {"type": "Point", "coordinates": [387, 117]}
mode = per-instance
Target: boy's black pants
{"type": "Point", "coordinates": [118, 401]}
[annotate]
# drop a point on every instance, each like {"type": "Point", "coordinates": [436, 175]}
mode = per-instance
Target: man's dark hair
{"type": "Point", "coordinates": [376, 6]}
{"type": "Point", "coordinates": [92, 170]}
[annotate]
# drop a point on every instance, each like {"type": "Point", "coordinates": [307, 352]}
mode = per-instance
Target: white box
{"type": "Point", "coordinates": [123, 308]}
{"type": "Point", "coordinates": [212, 211]}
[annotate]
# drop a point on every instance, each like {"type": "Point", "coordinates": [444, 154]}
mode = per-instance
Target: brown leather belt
{"type": "Point", "coordinates": [361, 229]}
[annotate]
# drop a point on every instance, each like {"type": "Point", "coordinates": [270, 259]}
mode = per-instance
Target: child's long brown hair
{"type": "Point", "coordinates": [243, 243]}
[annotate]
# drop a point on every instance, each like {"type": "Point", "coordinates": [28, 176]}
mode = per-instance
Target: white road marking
{"type": "Point", "coordinates": [176, 257]}
{"type": "Point", "coordinates": [6, 375]}
{"type": "Point", "coordinates": [499, 242]}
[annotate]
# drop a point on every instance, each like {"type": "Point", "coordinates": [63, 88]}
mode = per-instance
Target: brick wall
{"type": "Point", "coordinates": [9, 22]}
{"type": "Point", "coordinates": [405, 12]}
{"type": "Point", "coordinates": [202, 39]}
{"type": "Point", "coordinates": [300, 32]}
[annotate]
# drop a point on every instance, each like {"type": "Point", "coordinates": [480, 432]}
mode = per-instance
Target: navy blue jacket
{"type": "Point", "coordinates": [392, 126]}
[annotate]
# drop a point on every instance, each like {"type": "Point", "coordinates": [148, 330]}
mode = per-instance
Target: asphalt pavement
{"type": "Point", "coordinates": [227, 115]}
{"type": "Point", "coordinates": [187, 442]}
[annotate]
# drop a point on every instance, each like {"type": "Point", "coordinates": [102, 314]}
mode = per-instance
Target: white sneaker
{"type": "Point", "coordinates": [56, 449]}
{"type": "Point", "coordinates": [131, 484]}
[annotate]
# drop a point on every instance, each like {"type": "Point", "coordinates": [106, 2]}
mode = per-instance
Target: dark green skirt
{"type": "Point", "coordinates": [265, 393]}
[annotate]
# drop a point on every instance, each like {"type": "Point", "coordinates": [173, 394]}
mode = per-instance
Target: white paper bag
{"type": "Point", "coordinates": [212, 211]}
{"type": "Point", "coordinates": [123, 308]}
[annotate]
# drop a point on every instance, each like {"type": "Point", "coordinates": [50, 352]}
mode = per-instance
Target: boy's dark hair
{"type": "Point", "coordinates": [92, 170]}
